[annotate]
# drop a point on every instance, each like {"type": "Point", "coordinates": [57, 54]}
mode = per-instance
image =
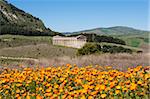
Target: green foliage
{"type": "Point", "coordinates": [91, 48]}
{"type": "Point", "coordinates": [16, 40]}
{"type": "Point", "coordinates": [15, 29]}
{"type": "Point", "coordinates": [146, 40]}
{"type": "Point", "coordinates": [115, 49]}
{"type": "Point", "coordinates": [22, 23]}
{"type": "Point", "coordinates": [134, 41]}
{"type": "Point", "coordinates": [97, 38]}
{"type": "Point", "coordinates": [109, 39]}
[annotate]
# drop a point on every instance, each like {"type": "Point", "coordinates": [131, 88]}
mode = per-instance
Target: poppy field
{"type": "Point", "coordinates": [73, 82]}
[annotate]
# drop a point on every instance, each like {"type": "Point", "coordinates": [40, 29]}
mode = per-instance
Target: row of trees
{"type": "Point", "coordinates": [101, 38]}
{"type": "Point", "coordinates": [109, 39]}
{"type": "Point", "coordinates": [27, 31]}
{"type": "Point", "coordinates": [91, 48]}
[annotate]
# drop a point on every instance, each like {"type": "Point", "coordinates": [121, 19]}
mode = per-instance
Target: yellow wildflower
{"type": "Point", "coordinates": [103, 95]}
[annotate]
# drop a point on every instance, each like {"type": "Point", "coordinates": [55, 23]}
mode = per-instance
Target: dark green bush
{"type": "Point", "coordinates": [91, 48]}
{"type": "Point", "coordinates": [108, 39]}
{"type": "Point", "coordinates": [101, 38]}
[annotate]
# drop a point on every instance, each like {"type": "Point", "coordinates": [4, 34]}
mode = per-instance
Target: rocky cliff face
{"type": "Point", "coordinates": [18, 22]}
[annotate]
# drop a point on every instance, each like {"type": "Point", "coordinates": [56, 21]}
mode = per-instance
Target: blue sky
{"type": "Point", "coordinates": [75, 15]}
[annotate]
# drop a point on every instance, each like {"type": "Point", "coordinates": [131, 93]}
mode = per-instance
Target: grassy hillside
{"type": "Point", "coordinates": [138, 40]}
{"type": "Point", "coordinates": [132, 37]}
{"type": "Point", "coordinates": [117, 30]}
{"type": "Point", "coordinates": [41, 47]}
{"type": "Point", "coordinates": [37, 51]}
{"type": "Point", "coordinates": [17, 46]}
{"type": "Point", "coordinates": [33, 46]}
{"type": "Point", "coordinates": [17, 40]}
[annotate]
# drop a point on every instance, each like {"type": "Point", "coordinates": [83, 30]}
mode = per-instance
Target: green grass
{"type": "Point", "coordinates": [136, 40]}
{"type": "Point", "coordinates": [16, 40]}
{"type": "Point", "coordinates": [146, 40]}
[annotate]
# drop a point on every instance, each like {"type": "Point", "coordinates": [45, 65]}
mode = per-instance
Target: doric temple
{"type": "Point", "coordinates": [76, 42]}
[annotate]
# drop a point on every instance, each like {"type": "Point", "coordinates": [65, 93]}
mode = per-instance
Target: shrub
{"type": "Point", "coordinates": [91, 48]}
{"type": "Point", "coordinates": [108, 39]}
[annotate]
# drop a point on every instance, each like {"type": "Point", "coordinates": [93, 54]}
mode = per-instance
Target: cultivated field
{"type": "Point", "coordinates": [136, 40]}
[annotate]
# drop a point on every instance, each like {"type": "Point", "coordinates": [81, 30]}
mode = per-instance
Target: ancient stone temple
{"type": "Point", "coordinates": [76, 42]}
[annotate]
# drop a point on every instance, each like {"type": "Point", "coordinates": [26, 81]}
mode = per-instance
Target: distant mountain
{"type": "Point", "coordinates": [117, 30]}
{"type": "Point", "coordinates": [18, 22]}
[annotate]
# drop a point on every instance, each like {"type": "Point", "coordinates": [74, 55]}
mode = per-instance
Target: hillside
{"type": "Point", "coordinates": [16, 21]}
{"type": "Point", "coordinates": [117, 30]}
{"type": "Point", "coordinates": [132, 37]}
{"type": "Point", "coordinates": [32, 46]}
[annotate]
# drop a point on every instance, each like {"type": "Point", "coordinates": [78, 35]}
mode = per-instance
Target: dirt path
{"type": "Point", "coordinates": [19, 58]}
